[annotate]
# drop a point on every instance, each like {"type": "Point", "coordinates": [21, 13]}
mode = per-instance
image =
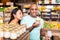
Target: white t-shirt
{"type": "Point", "coordinates": [35, 33]}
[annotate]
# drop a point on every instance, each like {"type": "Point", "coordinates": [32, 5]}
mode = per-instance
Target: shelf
{"type": "Point", "coordinates": [54, 14]}
{"type": "Point", "coordinates": [54, 10]}
{"type": "Point", "coordinates": [46, 17]}
{"type": "Point", "coordinates": [45, 14]}
{"type": "Point", "coordinates": [54, 17]}
{"type": "Point", "coordinates": [55, 32]}
{"type": "Point", "coordinates": [50, 11]}
{"type": "Point", "coordinates": [48, 4]}
{"type": "Point", "coordinates": [45, 11]}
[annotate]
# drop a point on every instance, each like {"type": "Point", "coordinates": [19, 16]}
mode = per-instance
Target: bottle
{"type": "Point", "coordinates": [13, 35]}
{"type": "Point", "coordinates": [42, 1]}
{"type": "Point", "coordinates": [41, 37]}
{"type": "Point", "coordinates": [6, 32]}
{"type": "Point", "coordinates": [50, 1]}
{"type": "Point", "coordinates": [49, 34]}
{"type": "Point", "coordinates": [1, 20]}
{"type": "Point", "coordinates": [1, 32]}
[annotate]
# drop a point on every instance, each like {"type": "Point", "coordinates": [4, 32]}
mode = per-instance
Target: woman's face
{"type": "Point", "coordinates": [18, 15]}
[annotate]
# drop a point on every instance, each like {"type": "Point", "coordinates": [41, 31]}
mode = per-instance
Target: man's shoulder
{"type": "Point", "coordinates": [39, 18]}
{"type": "Point", "coordinates": [26, 16]}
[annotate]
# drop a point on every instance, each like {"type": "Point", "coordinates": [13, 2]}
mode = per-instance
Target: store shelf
{"type": "Point", "coordinates": [54, 31]}
{"type": "Point", "coordinates": [46, 17]}
{"type": "Point", "coordinates": [54, 10]}
{"type": "Point", "coordinates": [54, 14]}
{"type": "Point", "coordinates": [45, 14]}
{"type": "Point", "coordinates": [45, 11]}
{"type": "Point", "coordinates": [54, 17]}
{"type": "Point", "coordinates": [49, 4]}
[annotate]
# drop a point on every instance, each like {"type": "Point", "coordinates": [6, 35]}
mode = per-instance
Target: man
{"type": "Point", "coordinates": [32, 25]}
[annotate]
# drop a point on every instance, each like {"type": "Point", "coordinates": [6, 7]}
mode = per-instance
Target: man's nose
{"type": "Point", "coordinates": [34, 10]}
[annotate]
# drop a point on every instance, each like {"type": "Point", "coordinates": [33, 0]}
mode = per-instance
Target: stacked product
{"type": "Point", "coordinates": [11, 32]}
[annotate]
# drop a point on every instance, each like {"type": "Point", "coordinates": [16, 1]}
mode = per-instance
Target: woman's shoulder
{"type": "Point", "coordinates": [12, 24]}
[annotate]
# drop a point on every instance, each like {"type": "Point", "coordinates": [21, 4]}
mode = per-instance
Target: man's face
{"type": "Point", "coordinates": [33, 10]}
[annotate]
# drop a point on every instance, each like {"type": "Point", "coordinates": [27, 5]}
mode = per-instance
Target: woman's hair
{"type": "Point", "coordinates": [14, 11]}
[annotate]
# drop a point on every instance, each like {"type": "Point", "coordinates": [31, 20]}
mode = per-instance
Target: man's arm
{"type": "Point", "coordinates": [30, 28]}
{"type": "Point", "coordinates": [36, 24]}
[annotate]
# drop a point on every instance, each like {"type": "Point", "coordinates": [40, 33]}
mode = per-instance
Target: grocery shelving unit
{"type": "Point", "coordinates": [48, 4]}
{"type": "Point", "coordinates": [52, 15]}
{"type": "Point", "coordinates": [48, 15]}
{"type": "Point", "coordinates": [55, 33]}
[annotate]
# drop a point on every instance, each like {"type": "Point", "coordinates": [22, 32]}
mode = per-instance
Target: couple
{"type": "Point", "coordinates": [32, 25]}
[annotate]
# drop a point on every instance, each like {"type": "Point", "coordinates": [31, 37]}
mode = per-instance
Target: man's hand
{"type": "Point", "coordinates": [36, 24]}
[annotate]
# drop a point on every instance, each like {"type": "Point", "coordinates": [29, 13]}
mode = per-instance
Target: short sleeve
{"type": "Point", "coordinates": [41, 23]}
{"type": "Point", "coordinates": [25, 21]}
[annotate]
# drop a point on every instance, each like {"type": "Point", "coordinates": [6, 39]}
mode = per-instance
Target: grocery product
{"type": "Point", "coordinates": [43, 7]}
{"type": "Point", "coordinates": [37, 19]}
{"type": "Point", "coordinates": [12, 31]}
{"type": "Point", "coordinates": [58, 1]}
{"type": "Point", "coordinates": [13, 35]}
{"type": "Point", "coordinates": [1, 21]}
{"type": "Point", "coordinates": [58, 25]}
{"type": "Point", "coordinates": [51, 25]}
{"type": "Point", "coordinates": [1, 32]}
{"type": "Point", "coordinates": [16, 30]}
{"type": "Point", "coordinates": [54, 25]}
{"type": "Point", "coordinates": [47, 25]}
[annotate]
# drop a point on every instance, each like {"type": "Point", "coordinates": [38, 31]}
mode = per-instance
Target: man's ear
{"type": "Point", "coordinates": [29, 10]}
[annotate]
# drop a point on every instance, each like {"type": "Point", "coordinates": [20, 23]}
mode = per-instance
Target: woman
{"type": "Point", "coordinates": [16, 16]}
{"type": "Point", "coordinates": [14, 23]}
{"type": "Point", "coordinates": [13, 29]}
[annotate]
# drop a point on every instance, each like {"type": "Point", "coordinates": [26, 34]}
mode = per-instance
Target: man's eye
{"type": "Point", "coordinates": [34, 9]}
